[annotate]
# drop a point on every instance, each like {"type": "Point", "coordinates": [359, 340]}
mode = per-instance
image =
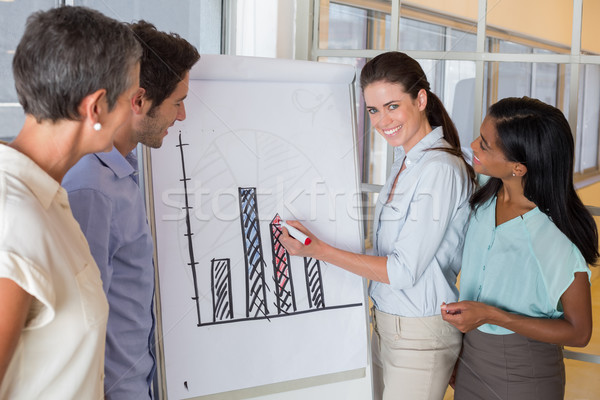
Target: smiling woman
{"type": "Point", "coordinates": [525, 282]}
{"type": "Point", "coordinates": [419, 226]}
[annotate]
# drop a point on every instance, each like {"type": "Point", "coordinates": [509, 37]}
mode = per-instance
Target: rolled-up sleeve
{"type": "Point", "coordinates": [34, 281]}
{"type": "Point", "coordinates": [432, 205]}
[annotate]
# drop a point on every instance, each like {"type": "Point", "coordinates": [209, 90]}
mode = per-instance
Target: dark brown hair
{"type": "Point", "coordinates": [397, 67]}
{"type": "Point", "coordinates": [165, 60]}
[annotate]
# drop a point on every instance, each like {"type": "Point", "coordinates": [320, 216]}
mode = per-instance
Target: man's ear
{"type": "Point", "coordinates": [139, 103]}
{"type": "Point", "coordinates": [93, 107]}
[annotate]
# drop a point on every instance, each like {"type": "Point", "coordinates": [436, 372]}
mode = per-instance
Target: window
{"type": "Point", "coordinates": [546, 50]}
{"type": "Point", "coordinates": [198, 22]}
{"type": "Point", "coordinates": [525, 55]}
{"type": "Point", "coordinates": [14, 15]}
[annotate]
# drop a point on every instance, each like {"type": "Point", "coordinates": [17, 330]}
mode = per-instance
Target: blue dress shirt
{"type": "Point", "coordinates": [522, 266]}
{"type": "Point", "coordinates": [421, 230]}
{"type": "Point", "coordinates": [108, 204]}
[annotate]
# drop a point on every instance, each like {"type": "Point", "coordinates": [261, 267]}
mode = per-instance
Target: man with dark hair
{"type": "Point", "coordinates": [108, 204]}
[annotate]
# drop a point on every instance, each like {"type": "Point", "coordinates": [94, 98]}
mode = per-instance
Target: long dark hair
{"type": "Point", "coordinates": [538, 136]}
{"type": "Point", "coordinates": [397, 67]}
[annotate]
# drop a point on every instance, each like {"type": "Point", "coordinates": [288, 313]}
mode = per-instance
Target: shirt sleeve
{"type": "Point", "coordinates": [431, 210]}
{"type": "Point", "coordinates": [561, 276]}
{"type": "Point", "coordinates": [93, 210]}
{"type": "Point", "coordinates": [34, 281]}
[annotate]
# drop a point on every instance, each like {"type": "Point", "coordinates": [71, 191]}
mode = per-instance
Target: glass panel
{"type": "Point", "coordinates": [457, 40]}
{"type": "Point", "coordinates": [459, 99]}
{"type": "Point", "coordinates": [507, 79]}
{"type": "Point", "coordinates": [347, 27]}
{"type": "Point", "coordinates": [586, 155]}
{"type": "Point", "coordinates": [545, 81]}
{"type": "Point", "coordinates": [423, 36]}
{"type": "Point", "coordinates": [547, 21]}
{"type": "Point", "coordinates": [199, 22]}
{"type": "Point", "coordinates": [12, 25]}
{"type": "Point", "coordinates": [433, 70]}
{"type": "Point", "coordinates": [506, 46]}
{"type": "Point", "coordinates": [590, 29]}
{"type": "Point", "coordinates": [418, 35]}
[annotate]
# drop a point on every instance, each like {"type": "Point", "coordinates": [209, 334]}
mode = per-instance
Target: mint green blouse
{"type": "Point", "coordinates": [522, 266]}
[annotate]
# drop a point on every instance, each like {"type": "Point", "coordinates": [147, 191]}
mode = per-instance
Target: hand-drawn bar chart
{"type": "Point", "coordinates": [256, 282]}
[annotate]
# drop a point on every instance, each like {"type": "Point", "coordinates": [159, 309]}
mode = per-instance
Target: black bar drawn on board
{"type": "Point", "coordinates": [188, 233]}
{"type": "Point", "coordinates": [256, 295]}
{"type": "Point", "coordinates": [282, 271]}
{"type": "Point", "coordinates": [222, 294]}
{"type": "Point", "coordinates": [314, 283]}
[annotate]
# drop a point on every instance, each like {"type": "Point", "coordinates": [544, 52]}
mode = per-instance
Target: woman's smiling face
{"type": "Point", "coordinates": [395, 115]}
{"type": "Point", "coordinates": [488, 158]}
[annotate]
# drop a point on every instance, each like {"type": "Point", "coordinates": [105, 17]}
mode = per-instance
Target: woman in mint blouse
{"type": "Point", "coordinates": [525, 289]}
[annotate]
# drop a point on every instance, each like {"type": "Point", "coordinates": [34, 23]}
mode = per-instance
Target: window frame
{"type": "Point", "coordinates": [562, 56]}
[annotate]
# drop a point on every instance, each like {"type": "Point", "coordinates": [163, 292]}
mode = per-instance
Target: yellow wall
{"type": "Point", "coordinates": [461, 8]}
{"type": "Point", "coordinates": [590, 195]}
{"type": "Point", "coordinates": [548, 20]}
{"type": "Point", "coordinates": [590, 26]}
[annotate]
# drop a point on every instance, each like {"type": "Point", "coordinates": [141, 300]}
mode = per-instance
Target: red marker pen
{"type": "Point", "coordinates": [301, 237]}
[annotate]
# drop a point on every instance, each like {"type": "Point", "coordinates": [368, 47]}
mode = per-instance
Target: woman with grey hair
{"type": "Point", "coordinates": [75, 72]}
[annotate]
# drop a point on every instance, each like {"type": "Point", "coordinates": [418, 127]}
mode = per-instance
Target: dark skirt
{"type": "Point", "coordinates": [509, 367]}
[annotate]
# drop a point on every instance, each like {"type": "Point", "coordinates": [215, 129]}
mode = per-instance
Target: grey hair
{"type": "Point", "coordinates": [67, 53]}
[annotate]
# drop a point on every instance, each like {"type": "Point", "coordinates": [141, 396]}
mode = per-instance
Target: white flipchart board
{"type": "Point", "coordinates": [238, 317]}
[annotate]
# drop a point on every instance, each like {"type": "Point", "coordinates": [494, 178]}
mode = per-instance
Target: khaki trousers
{"type": "Point", "coordinates": [413, 358]}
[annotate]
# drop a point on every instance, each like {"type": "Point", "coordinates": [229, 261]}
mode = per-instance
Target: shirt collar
{"type": "Point", "coordinates": [118, 164]}
{"type": "Point", "coordinates": [415, 154]}
{"type": "Point", "coordinates": [41, 184]}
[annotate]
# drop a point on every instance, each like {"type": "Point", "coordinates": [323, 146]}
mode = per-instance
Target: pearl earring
{"type": "Point", "coordinates": [514, 174]}
{"type": "Point", "coordinates": [97, 126]}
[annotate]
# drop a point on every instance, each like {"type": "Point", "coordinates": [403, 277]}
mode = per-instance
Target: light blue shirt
{"type": "Point", "coordinates": [522, 266]}
{"type": "Point", "coordinates": [421, 231]}
{"type": "Point", "coordinates": [108, 204]}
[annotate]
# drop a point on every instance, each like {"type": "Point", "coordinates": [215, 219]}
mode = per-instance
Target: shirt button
{"type": "Point", "coordinates": [407, 162]}
{"type": "Point", "coordinates": [484, 267]}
